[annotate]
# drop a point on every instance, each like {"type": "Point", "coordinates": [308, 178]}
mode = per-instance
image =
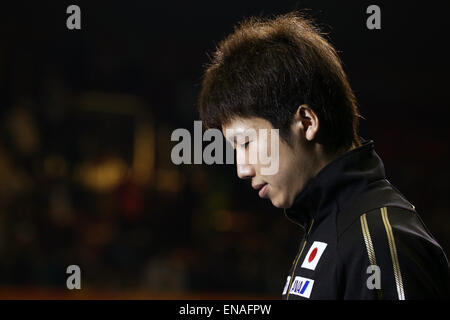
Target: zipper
{"type": "Point", "coordinates": [298, 258]}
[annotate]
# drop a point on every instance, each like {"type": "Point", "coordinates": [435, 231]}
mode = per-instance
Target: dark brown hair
{"type": "Point", "coordinates": [268, 67]}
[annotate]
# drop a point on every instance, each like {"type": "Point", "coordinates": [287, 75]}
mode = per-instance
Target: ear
{"type": "Point", "coordinates": [306, 120]}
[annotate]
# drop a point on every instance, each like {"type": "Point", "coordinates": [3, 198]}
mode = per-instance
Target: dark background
{"type": "Point", "coordinates": [86, 118]}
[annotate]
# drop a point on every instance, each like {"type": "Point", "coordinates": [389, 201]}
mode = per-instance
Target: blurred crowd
{"type": "Point", "coordinates": [94, 186]}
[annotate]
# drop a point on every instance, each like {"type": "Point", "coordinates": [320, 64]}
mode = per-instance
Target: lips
{"type": "Point", "coordinates": [262, 189]}
{"type": "Point", "coordinates": [258, 186]}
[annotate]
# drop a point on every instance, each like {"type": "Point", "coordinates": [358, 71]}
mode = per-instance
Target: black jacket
{"type": "Point", "coordinates": [354, 218]}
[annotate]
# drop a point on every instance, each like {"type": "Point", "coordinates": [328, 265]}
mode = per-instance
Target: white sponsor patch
{"type": "Point", "coordinates": [313, 255]}
{"type": "Point", "coordinates": [302, 287]}
{"type": "Point", "coordinates": [287, 284]}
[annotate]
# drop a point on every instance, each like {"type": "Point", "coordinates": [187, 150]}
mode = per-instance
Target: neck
{"type": "Point", "coordinates": [337, 183]}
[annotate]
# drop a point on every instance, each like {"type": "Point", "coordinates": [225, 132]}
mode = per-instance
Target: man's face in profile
{"type": "Point", "coordinates": [295, 162]}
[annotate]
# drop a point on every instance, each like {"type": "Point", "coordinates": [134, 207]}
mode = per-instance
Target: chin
{"type": "Point", "coordinates": [280, 203]}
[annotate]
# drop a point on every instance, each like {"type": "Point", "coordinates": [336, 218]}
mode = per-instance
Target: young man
{"type": "Point", "coordinates": [363, 239]}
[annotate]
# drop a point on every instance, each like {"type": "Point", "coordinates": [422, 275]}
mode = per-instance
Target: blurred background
{"type": "Point", "coordinates": [85, 123]}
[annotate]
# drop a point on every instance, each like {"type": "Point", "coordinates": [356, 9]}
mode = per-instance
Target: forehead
{"type": "Point", "coordinates": [241, 126]}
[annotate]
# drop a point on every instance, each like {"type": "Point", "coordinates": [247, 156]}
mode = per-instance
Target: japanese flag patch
{"type": "Point", "coordinates": [313, 255]}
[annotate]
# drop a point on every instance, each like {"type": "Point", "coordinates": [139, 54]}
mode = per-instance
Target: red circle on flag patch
{"type": "Point", "coordinates": [312, 255]}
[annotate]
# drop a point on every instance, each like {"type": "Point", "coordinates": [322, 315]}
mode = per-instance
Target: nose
{"type": "Point", "coordinates": [245, 171]}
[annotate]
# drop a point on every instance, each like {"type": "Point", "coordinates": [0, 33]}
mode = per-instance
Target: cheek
{"type": "Point", "coordinates": [277, 181]}
{"type": "Point", "coordinates": [287, 174]}
{"type": "Point", "coordinates": [268, 153]}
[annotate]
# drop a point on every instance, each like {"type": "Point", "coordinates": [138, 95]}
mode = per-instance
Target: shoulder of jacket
{"type": "Point", "coordinates": [388, 222]}
{"type": "Point", "coordinates": [384, 214]}
{"type": "Point", "coordinates": [377, 195]}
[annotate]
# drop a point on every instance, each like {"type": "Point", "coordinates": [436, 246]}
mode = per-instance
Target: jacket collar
{"type": "Point", "coordinates": [336, 184]}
